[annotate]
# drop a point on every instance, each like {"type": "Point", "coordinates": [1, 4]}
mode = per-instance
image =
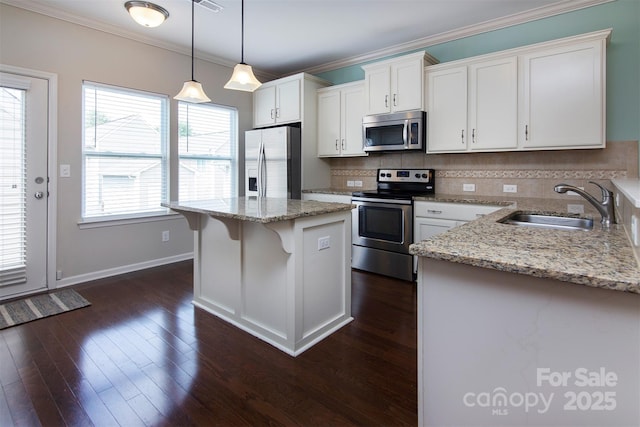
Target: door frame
{"type": "Point", "coordinates": [52, 161]}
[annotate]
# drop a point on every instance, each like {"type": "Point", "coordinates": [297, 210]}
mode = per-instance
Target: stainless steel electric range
{"type": "Point", "coordinates": [382, 223]}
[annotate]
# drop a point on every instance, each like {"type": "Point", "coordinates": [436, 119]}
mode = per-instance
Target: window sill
{"type": "Point", "coordinates": [88, 223]}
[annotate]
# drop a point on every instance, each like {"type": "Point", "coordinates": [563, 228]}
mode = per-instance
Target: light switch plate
{"type": "Point", "coordinates": [65, 171]}
{"type": "Point", "coordinates": [635, 230]}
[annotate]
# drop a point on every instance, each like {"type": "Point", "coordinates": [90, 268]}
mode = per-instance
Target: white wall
{"type": "Point", "coordinates": [76, 53]}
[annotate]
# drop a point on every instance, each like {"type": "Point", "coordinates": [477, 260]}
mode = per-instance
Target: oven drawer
{"type": "Point", "coordinates": [452, 211]}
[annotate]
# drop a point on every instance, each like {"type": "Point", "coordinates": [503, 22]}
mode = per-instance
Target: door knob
{"type": "Point", "coordinates": [39, 195]}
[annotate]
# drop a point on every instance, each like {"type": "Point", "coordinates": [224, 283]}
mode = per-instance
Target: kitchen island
{"type": "Point", "coordinates": [279, 269]}
{"type": "Point", "coordinates": [522, 326]}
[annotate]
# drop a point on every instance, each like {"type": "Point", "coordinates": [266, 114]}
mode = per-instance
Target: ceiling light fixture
{"type": "Point", "coordinates": [242, 77]}
{"type": "Point", "coordinates": [192, 90]}
{"type": "Point", "coordinates": [146, 14]}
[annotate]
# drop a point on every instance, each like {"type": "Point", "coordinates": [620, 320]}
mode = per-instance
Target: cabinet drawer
{"type": "Point", "coordinates": [455, 211]}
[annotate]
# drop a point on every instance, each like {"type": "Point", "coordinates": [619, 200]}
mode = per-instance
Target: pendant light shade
{"type": "Point", "coordinates": [192, 90]}
{"type": "Point", "coordinates": [146, 14]}
{"type": "Point", "coordinates": [242, 77]}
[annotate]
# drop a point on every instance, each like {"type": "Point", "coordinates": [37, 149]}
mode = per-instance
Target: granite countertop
{"type": "Point", "coordinates": [263, 210]}
{"type": "Point", "coordinates": [600, 258]}
{"type": "Point", "coordinates": [332, 191]}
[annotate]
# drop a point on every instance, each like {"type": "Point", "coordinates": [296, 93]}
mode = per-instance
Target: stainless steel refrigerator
{"type": "Point", "coordinates": [273, 165]}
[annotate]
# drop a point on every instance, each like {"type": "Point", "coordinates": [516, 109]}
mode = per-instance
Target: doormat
{"type": "Point", "coordinates": [32, 308]}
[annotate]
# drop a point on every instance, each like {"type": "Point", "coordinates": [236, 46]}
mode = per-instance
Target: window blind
{"type": "Point", "coordinates": [124, 152]}
{"type": "Point", "coordinates": [13, 213]}
{"type": "Point", "coordinates": [207, 147]}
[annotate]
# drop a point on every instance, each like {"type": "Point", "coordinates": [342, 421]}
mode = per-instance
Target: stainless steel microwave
{"type": "Point", "coordinates": [395, 131]}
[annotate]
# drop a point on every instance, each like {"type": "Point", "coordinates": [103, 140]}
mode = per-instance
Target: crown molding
{"type": "Point", "coordinates": [520, 18]}
{"type": "Point", "coordinates": [472, 30]}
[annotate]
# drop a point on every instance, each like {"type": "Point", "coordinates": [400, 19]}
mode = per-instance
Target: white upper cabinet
{"type": "Point", "coordinates": [493, 105]}
{"type": "Point", "coordinates": [545, 96]}
{"type": "Point", "coordinates": [473, 107]}
{"type": "Point", "coordinates": [563, 96]}
{"type": "Point", "coordinates": [340, 112]}
{"type": "Point", "coordinates": [447, 109]}
{"type": "Point", "coordinates": [396, 84]}
{"type": "Point", "coordinates": [277, 102]}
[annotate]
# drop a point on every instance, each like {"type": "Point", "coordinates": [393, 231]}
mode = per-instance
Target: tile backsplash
{"type": "Point", "coordinates": [535, 173]}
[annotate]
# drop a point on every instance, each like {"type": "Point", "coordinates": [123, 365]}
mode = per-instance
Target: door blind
{"type": "Point", "coordinates": [13, 212]}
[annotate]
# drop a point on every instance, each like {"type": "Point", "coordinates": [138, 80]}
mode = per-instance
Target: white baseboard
{"type": "Point", "coordinates": [88, 277]}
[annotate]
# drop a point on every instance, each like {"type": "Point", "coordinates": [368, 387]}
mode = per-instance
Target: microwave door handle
{"type": "Point", "coordinates": [405, 133]}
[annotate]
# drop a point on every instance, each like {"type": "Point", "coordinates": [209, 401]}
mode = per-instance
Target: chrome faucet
{"type": "Point", "coordinates": [605, 207]}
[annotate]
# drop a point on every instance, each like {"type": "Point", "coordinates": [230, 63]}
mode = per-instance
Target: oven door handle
{"type": "Point", "coordinates": [385, 201]}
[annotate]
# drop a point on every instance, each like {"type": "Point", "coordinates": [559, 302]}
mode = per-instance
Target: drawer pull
{"type": "Point", "coordinates": [433, 211]}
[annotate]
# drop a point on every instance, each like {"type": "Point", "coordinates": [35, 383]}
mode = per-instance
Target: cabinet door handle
{"type": "Point", "coordinates": [433, 211]}
{"type": "Point", "coordinates": [336, 144]}
{"type": "Point", "coordinates": [526, 132]}
{"type": "Point", "coordinates": [462, 136]}
{"type": "Point", "coordinates": [473, 136]}
{"type": "Point", "coordinates": [277, 113]}
{"type": "Point", "coordinates": [394, 100]}
{"type": "Point", "coordinates": [386, 100]}
{"type": "Point", "coordinates": [343, 145]}
{"type": "Point", "coordinates": [272, 110]}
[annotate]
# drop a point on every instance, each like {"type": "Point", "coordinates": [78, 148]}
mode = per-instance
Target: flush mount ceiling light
{"type": "Point", "coordinates": [192, 90]}
{"type": "Point", "coordinates": [146, 14]}
{"type": "Point", "coordinates": [242, 77]}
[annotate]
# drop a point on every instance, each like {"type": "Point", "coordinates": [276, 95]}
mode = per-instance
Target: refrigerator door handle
{"type": "Point", "coordinates": [262, 178]}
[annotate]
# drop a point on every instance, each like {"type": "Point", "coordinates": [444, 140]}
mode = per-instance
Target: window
{"type": "Point", "coordinates": [125, 161]}
{"type": "Point", "coordinates": [207, 147]}
{"type": "Point", "coordinates": [13, 213]}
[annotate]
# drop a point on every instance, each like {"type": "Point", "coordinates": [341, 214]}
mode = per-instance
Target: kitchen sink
{"type": "Point", "coordinates": [548, 221]}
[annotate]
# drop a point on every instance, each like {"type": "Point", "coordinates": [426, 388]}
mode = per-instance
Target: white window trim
{"type": "Point", "coordinates": [136, 218]}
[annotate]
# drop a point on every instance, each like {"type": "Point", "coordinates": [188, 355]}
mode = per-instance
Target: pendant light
{"type": "Point", "coordinates": [192, 90]}
{"type": "Point", "coordinates": [146, 14]}
{"type": "Point", "coordinates": [242, 77]}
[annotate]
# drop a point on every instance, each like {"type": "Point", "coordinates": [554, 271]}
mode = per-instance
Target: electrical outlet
{"type": "Point", "coordinates": [468, 187]}
{"type": "Point", "coordinates": [357, 183]}
{"type": "Point", "coordinates": [350, 184]}
{"type": "Point", "coordinates": [58, 274]}
{"type": "Point", "coordinates": [635, 230]}
{"type": "Point", "coordinates": [324, 242]}
{"type": "Point", "coordinates": [509, 188]}
{"type": "Point", "coordinates": [165, 236]}
{"type": "Point", "coordinates": [575, 208]}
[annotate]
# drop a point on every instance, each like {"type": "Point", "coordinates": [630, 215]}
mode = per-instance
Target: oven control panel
{"type": "Point", "coordinates": [406, 175]}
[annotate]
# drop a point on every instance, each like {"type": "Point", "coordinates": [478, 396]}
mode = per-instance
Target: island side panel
{"type": "Point", "coordinates": [265, 281]}
{"type": "Point", "coordinates": [325, 297]}
{"type": "Point", "coordinates": [219, 254]}
{"type": "Point", "coordinates": [499, 348]}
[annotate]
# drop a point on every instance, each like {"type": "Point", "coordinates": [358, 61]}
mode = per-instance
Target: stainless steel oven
{"type": "Point", "coordinates": [382, 223]}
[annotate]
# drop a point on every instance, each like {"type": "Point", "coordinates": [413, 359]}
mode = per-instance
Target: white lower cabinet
{"type": "Point", "coordinates": [433, 218]}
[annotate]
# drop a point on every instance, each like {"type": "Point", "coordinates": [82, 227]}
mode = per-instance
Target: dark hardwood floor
{"type": "Point", "coordinates": [143, 355]}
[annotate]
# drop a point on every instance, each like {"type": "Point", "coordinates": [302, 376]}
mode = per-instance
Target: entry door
{"type": "Point", "coordinates": [23, 184]}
